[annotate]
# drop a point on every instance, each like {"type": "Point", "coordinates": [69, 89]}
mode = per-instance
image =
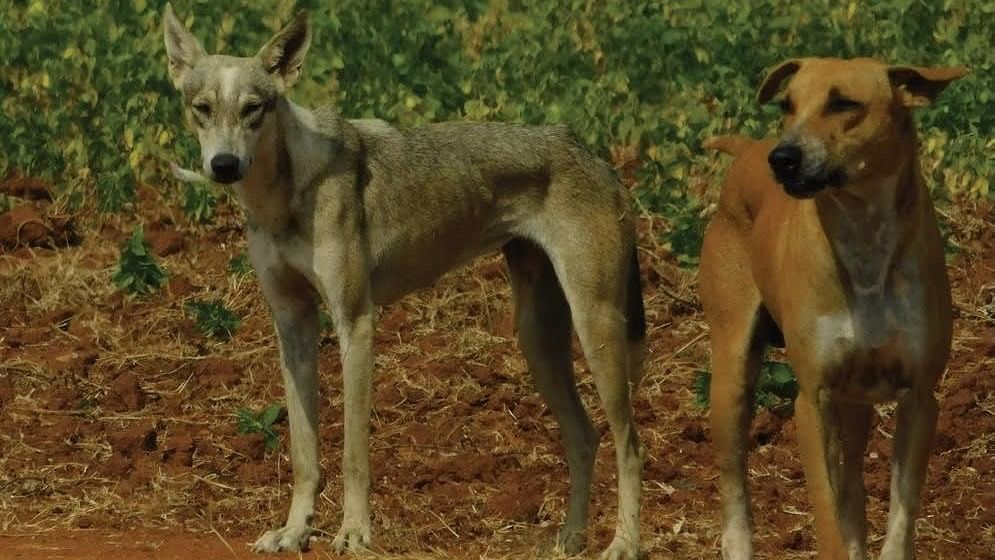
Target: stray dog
{"type": "Point", "coordinates": [826, 242]}
{"type": "Point", "coordinates": [357, 213]}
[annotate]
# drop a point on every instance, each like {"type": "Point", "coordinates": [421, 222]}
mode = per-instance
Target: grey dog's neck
{"type": "Point", "coordinates": [300, 149]}
{"type": "Point", "coordinates": [267, 190]}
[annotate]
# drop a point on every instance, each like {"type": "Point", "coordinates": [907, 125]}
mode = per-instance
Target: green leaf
{"type": "Point", "coordinates": [702, 386]}
{"type": "Point", "coordinates": [270, 414]}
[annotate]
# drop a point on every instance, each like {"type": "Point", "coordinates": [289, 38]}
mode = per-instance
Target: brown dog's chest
{"type": "Point", "coordinates": [872, 349]}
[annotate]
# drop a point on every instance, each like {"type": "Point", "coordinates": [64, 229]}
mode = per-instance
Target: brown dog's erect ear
{"type": "Point", "coordinates": [772, 83]}
{"type": "Point", "coordinates": [918, 87]}
{"type": "Point", "coordinates": [284, 53]}
{"type": "Point", "coordinates": [182, 48]}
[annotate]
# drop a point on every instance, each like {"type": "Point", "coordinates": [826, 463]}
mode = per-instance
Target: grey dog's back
{"type": "Point", "coordinates": [494, 150]}
{"type": "Point", "coordinates": [438, 195]}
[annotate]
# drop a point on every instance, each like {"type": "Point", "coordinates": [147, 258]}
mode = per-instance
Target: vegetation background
{"type": "Point", "coordinates": [87, 104]}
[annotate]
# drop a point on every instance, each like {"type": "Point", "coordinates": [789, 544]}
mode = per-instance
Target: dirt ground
{"type": "Point", "coordinates": [120, 438]}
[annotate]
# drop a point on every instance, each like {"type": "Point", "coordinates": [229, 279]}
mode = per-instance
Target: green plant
{"type": "Point", "coordinates": [85, 97]}
{"type": "Point", "coordinates": [687, 229]}
{"type": "Point", "coordinates": [702, 387]}
{"type": "Point", "coordinates": [7, 203]}
{"type": "Point", "coordinates": [325, 322]}
{"type": "Point", "coordinates": [775, 389]}
{"type": "Point", "coordinates": [214, 319]}
{"type": "Point", "coordinates": [199, 202]}
{"type": "Point", "coordinates": [199, 199]}
{"type": "Point", "coordinates": [240, 265]}
{"type": "Point", "coordinates": [137, 272]}
{"type": "Point", "coordinates": [261, 422]}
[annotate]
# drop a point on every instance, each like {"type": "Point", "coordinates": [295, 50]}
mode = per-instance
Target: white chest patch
{"type": "Point", "coordinates": [833, 335]}
{"type": "Point", "coordinates": [872, 349]}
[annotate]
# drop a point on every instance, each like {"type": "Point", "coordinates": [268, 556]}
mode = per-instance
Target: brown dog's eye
{"type": "Point", "coordinates": [842, 105]}
{"type": "Point", "coordinates": [786, 106]}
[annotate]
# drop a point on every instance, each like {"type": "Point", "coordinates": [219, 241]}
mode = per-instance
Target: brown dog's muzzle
{"type": "Point", "coordinates": [787, 162]}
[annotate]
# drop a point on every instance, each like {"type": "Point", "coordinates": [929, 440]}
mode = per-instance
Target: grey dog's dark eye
{"type": "Point", "coordinates": [202, 108]}
{"type": "Point", "coordinates": [251, 108]}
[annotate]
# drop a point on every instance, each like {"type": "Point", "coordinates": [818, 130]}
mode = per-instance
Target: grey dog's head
{"type": "Point", "coordinates": [229, 101]}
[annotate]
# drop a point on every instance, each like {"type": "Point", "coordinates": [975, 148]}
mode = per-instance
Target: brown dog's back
{"type": "Point", "coordinates": [748, 183]}
{"type": "Point", "coordinates": [733, 144]}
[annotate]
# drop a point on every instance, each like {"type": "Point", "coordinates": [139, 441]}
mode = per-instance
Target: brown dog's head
{"type": "Point", "coordinates": [843, 119]}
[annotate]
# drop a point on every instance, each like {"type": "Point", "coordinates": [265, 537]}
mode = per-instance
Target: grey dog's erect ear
{"type": "Point", "coordinates": [283, 55]}
{"type": "Point", "coordinates": [182, 48]}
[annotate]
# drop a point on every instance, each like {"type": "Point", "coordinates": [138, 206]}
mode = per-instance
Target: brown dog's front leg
{"type": "Point", "coordinates": [915, 426]}
{"type": "Point", "coordinates": [818, 438]}
{"type": "Point", "coordinates": [734, 372]}
{"type": "Point", "coordinates": [855, 424]}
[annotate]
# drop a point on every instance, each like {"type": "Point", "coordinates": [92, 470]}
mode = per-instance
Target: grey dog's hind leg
{"type": "Point", "coordinates": [543, 319]}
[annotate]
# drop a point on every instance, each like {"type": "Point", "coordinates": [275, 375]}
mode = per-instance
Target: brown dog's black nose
{"type": "Point", "coordinates": [225, 168]}
{"type": "Point", "coordinates": [785, 160]}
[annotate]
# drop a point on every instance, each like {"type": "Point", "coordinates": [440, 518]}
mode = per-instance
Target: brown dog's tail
{"type": "Point", "coordinates": [734, 144]}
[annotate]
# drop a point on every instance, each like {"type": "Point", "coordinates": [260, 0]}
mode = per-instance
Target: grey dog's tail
{"type": "Point", "coordinates": [635, 313]}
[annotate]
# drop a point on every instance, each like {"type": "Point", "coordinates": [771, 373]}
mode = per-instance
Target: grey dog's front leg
{"type": "Point", "coordinates": [296, 321]}
{"type": "Point", "coordinates": [356, 342]}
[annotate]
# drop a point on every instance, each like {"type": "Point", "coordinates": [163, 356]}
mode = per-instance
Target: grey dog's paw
{"type": "Point", "coordinates": [621, 549]}
{"type": "Point", "coordinates": [352, 536]}
{"type": "Point", "coordinates": [283, 539]}
{"type": "Point", "coordinates": [571, 542]}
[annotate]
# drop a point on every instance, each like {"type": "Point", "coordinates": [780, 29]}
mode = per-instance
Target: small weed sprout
{"type": "Point", "coordinates": [775, 390]}
{"type": "Point", "coordinates": [239, 265]}
{"type": "Point", "coordinates": [137, 272]}
{"type": "Point", "coordinates": [686, 232]}
{"type": "Point", "coordinates": [325, 322]}
{"type": "Point", "coordinates": [199, 200]}
{"type": "Point", "coordinates": [252, 422]}
{"type": "Point", "coordinates": [214, 319]}
{"type": "Point", "coordinates": [702, 388]}
{"type": "Point", "coordinates": [199, 203]}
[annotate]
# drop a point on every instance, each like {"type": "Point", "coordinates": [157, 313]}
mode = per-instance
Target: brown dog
{"type": "Point", "coordinates": [827, 241]}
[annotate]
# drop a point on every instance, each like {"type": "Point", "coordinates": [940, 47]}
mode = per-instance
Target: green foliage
{"type": "Point", "coordinates": [261, 422]}
{"type": "Point", "coordinates": [137, 272]}
{"type": "Point", "coordinates": [85, 98]}
{"type": "Point", "coordinates": [199, 202]}
{"type": "Point", "coordinates": [687, 229]}
{"type": "Point", "coordinates": [7, 203]}
{"type": "Point", "coordinates": [776, 388]}
{"type": "Point", "coordinates": [214, 319]}
{"type": "Point", "coordinates": [240, 265]}
{"type": "Point", "coordinates": [325, 322]}
{"type": "Point", "coordinates": [702, 388]}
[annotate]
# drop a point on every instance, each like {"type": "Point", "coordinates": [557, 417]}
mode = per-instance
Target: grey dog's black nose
{"type": "Point", "coordinates": [225, 168]}
{"type": "Point", "coordinates": [785, 160]}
